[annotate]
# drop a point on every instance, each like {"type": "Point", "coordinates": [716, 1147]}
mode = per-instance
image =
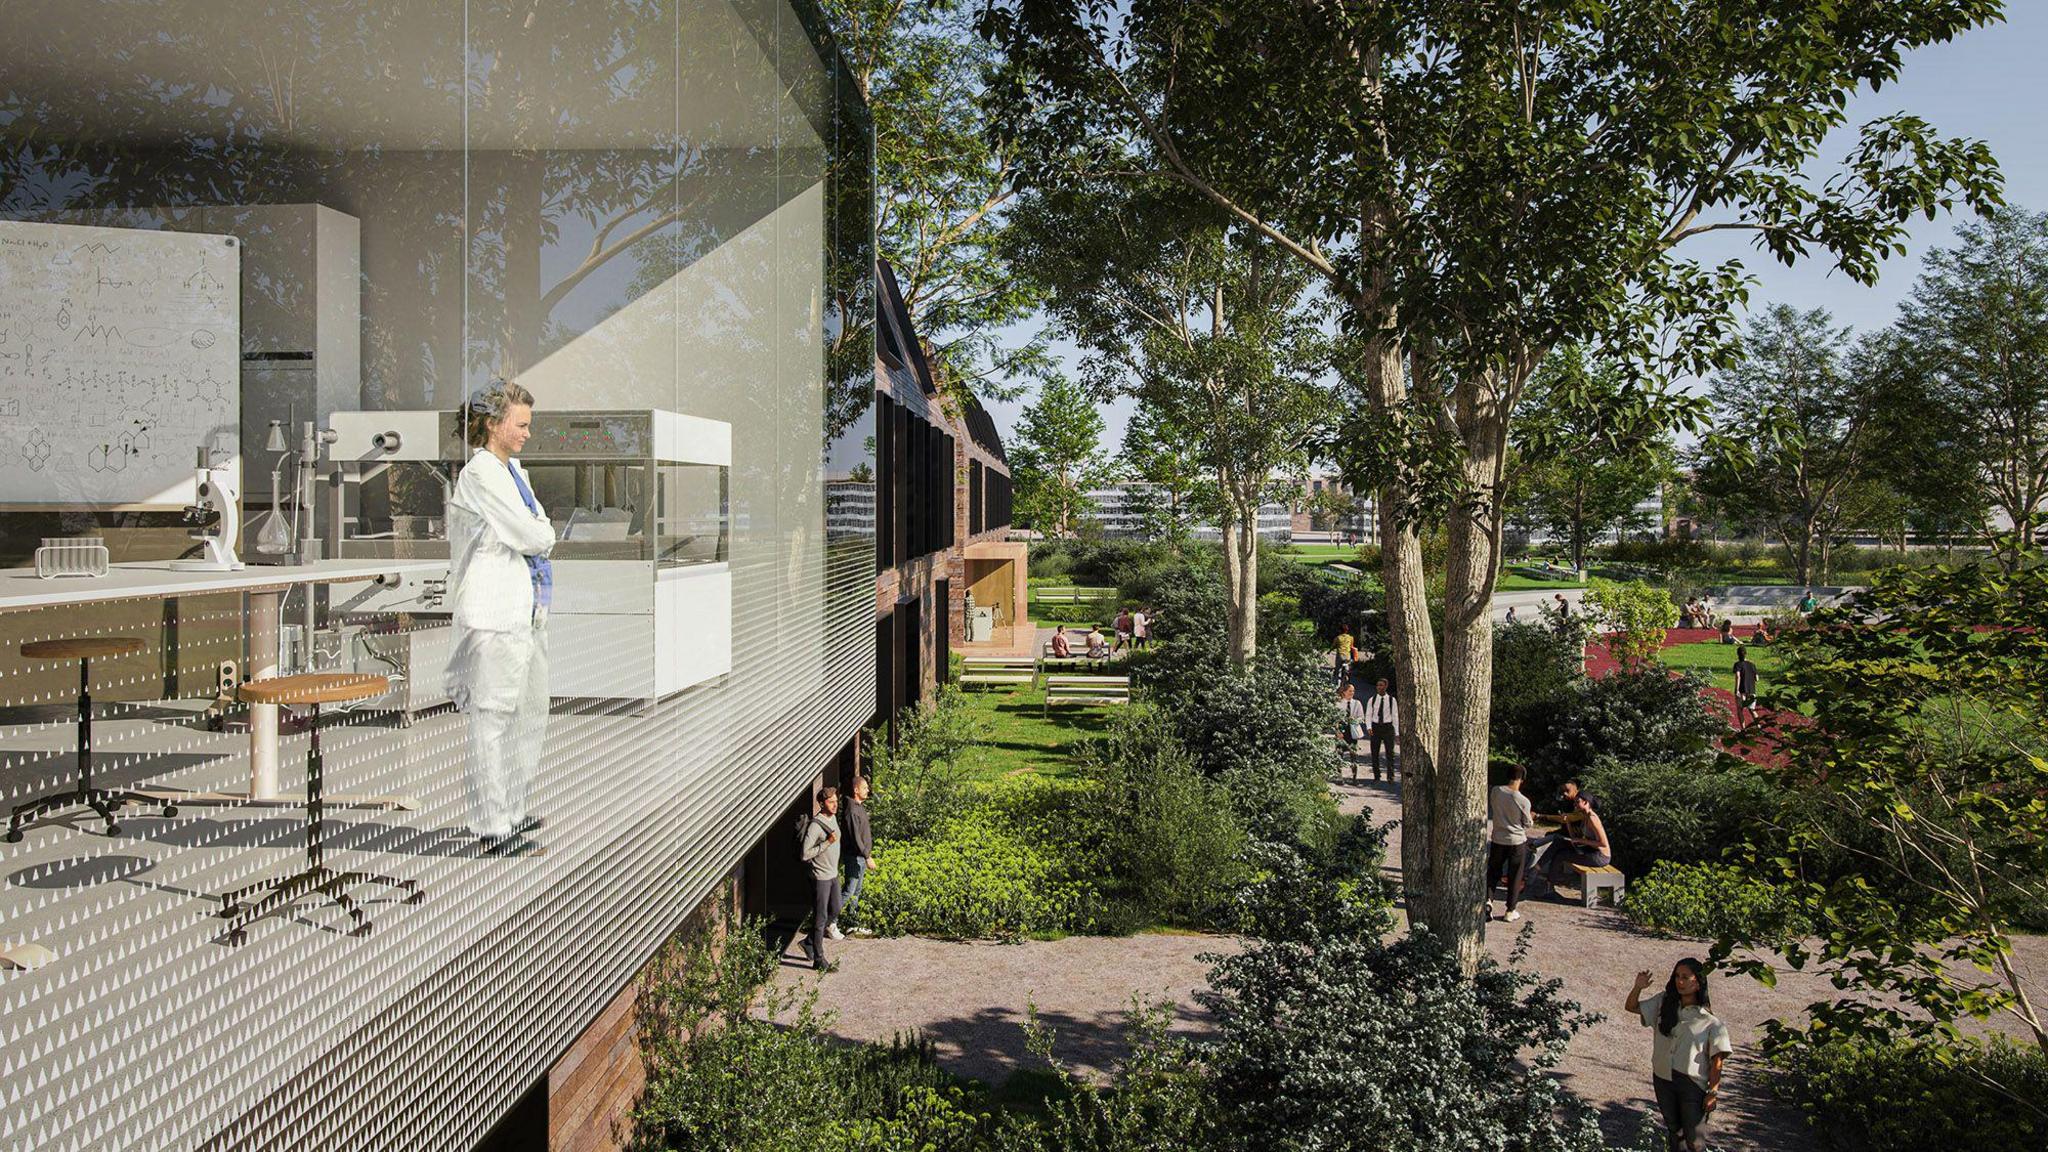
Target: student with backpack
{"type": "Point", "coordinates": [818, 843]}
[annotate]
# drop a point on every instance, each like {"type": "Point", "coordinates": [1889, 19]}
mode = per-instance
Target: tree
{"type": "Point", "coordinates": [1976, 335]}
{"type": "Point", "coordinates": [1914, 828]}
{"type": "Point", "coordinates": [1591, 445]}
{"type": "Point", "coordinates": [1797, 417]}
{"type": "Point", "coordinates": [1331, 509]}
{"type": "Point", "coordinates": [943, 184]}
{"type": "Point", "coordinates": [1475, 185]}
{"type": "Point", "coordinates": [1057, 457]}
{"type": "Point", "coordinates": [1206, 325]}
{"type": "Point", "coordinates": [1157, 454]}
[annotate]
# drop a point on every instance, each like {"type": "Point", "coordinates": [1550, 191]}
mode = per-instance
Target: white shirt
{"type": "Point", "coordinates": [1350, 712]}
{"type": "Point", "coordinates": [1698, 1036]}
{"type": "Point", "coordinates": [1384, 709]}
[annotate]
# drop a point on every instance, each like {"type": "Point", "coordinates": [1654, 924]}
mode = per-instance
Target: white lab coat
{"type": "Point", "coordinates": [498, 672]}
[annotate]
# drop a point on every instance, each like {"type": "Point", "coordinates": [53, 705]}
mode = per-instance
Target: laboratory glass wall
{"type": "Point", "coordinates": [260, 263]}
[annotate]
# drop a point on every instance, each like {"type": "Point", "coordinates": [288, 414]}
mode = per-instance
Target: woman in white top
{"type": "Point", "coordinates": [1688, 1045]}
{"type": "Point", "coordinates": [1350, 726]}
{"type": "Point", "coordinates": [500, 585]}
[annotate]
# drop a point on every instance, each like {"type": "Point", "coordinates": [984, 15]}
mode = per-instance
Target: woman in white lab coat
{"type": "Point", "coordinates": [500, 586]}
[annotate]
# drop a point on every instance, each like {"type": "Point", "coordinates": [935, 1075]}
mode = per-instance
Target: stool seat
{"type": "Point", "coordinates": [82, 647]}
{"type": "Point", "coordinates": [314, 688]}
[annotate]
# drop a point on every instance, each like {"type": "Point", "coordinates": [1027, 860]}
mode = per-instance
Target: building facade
{"type": "Point", "coordinates": [1132, 510]}
{"type": "Point", "coordinates": [230, 229]}
{"type": "Point", "coordinates": [946, 577]}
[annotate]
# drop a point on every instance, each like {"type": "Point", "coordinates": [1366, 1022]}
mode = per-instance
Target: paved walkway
{"type": "Point", "coordinates": [973, 1000]}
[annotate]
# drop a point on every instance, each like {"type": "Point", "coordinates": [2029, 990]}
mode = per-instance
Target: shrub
{"type": "Point", "coordinates": [1917, 1097]}
{"type": "Point", "coordinates": [1173, 845]}
{"type": "Point", "coordinates": [1331, 1034]}
{"type": "Point", "coordinates": [977, 878]}
{"type": "Point", "coordinates": [1642, 716]}
{"type": "Point", "coordinates": [1263, 732]}
{"type": "Point", "coordinates": [736, 1062]}
{"type": "Point", "coordinates": [1635, 615]}
{"type": "Point", "coordinates": [1713, 902]}
{"type": "Point", "coordinates": [1685, 811]}
{"type": "Point", "coordinates": [921, 782]}
{"type": "Point", "coordinates": [1535, 672]}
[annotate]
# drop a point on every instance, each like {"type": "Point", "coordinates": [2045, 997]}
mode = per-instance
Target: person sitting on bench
{"type": "Point", "coordinates": [1098, 644]}
{"type": "Point", "coordinates": [1062, 645]}
{"type": "Point", "coordinates": [1587, 845]}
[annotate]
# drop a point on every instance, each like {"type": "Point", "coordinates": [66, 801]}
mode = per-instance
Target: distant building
{"type": "Point", "coordinates": [1129, 511]}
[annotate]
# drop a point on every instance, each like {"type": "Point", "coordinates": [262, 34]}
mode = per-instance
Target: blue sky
{"type": "Point", "coordinates": [1991, 84]}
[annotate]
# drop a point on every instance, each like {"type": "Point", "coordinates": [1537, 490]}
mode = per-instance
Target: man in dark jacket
{"type": "Point", "coordinates": [860, 844]}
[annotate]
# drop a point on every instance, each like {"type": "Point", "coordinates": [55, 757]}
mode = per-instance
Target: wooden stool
{"type": "Point", "coordinates": [316, 878]}
{"type": "Point", "coordinates": [108, 802]}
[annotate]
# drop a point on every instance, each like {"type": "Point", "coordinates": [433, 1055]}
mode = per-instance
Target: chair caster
{"type": "Point", "coordinates": [113, 829]}
{"type": "Point", "coordinates": [170, 810]}
{"type": "Point", "coordinates": [14, 835]}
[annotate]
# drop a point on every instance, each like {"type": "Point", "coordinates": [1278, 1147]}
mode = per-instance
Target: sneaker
{"type": "Point", "coordinates": [832, 932]}
{"type": "Point", "coordinates": [1514, 916]}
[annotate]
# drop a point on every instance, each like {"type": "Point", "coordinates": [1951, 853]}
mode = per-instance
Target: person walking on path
{"type": "Point", "coordinates": [1123, 630]}
{"type": "Point", "coordinates": [1745, 689]}
{"type": "Point", "coordinates": [1141, 629]}
{"type": "Point", "coordinates": [821, 852]}
{"type": "Point", "coordinates": [1350, 726]}
{"type": "Point", "coordinates": [1383, 723]}
{"type": "Point", "coordinates": [1688, 1045]}
{"type": "Point", "coordinates": [1588, 846]}
{"type": "Point", "coordinates": [1507, 838]}
{"type": "Point", "coordinates": [860, 845]}
{"type": "Point", "coordinates": [1345, 643]}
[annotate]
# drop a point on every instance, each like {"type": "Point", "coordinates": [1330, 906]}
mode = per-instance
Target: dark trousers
{"type": "Point", "coordinates": [824, 910]}
{"type": "Point", "coordinates": [1684, 1105]}
{"type": "Point", "coordinates": [1511, 860]}
{"type": "Point", "coordinates": [1385, 750]}
{"type": "Point", "coordinates": [1557, 863]}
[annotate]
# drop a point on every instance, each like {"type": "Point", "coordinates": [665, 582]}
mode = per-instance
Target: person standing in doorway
{"type": "Point", "coordinates": [500, 587]}
{"type": "Point", "coordinates": [1383, 726]}
{"type": "Point", "coordinates": [821, 852]}
{"type": "Point", "coordinates": [1745, 689]}
{"type": "Point", "coordinates": [1507, 837]}
{"type": "Point", "coordinates": [1688, 1046]}
{"type": "Point", "coordinates": [860, 845]}
{"type": "Point", "coordinates": [1350, 726]}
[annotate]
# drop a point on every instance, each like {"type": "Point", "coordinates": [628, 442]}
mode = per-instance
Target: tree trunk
{"type": "Point", "coordinates": [1416, 686]}
{"type": "Point", "coordinates": [1241, 577]}
{"type": "Point", "coordinates": [1802, 558]}
{"type": "Point", "coordinates": [1455, 907]}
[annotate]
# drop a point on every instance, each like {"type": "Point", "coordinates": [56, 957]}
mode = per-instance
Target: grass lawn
{"type": "Point", "coordinates": [1714, 662]}
{"type": "Point", "coordinates": [1514, 579]}
{"type": "Point", "coordinates": [1020, 738]}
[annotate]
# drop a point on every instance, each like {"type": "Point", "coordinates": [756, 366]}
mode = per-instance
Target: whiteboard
{"type": "Point", "coordinates": [120, 355]}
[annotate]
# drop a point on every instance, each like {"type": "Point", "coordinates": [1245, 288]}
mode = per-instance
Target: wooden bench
{"type": "Point", "coordinates": [1593, 880]}
{"type": "Point", "coordinates": [1092, 690]}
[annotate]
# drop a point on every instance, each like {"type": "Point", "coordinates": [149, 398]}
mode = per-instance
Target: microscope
{"type": "Point", "coordinates": [218, 514]}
